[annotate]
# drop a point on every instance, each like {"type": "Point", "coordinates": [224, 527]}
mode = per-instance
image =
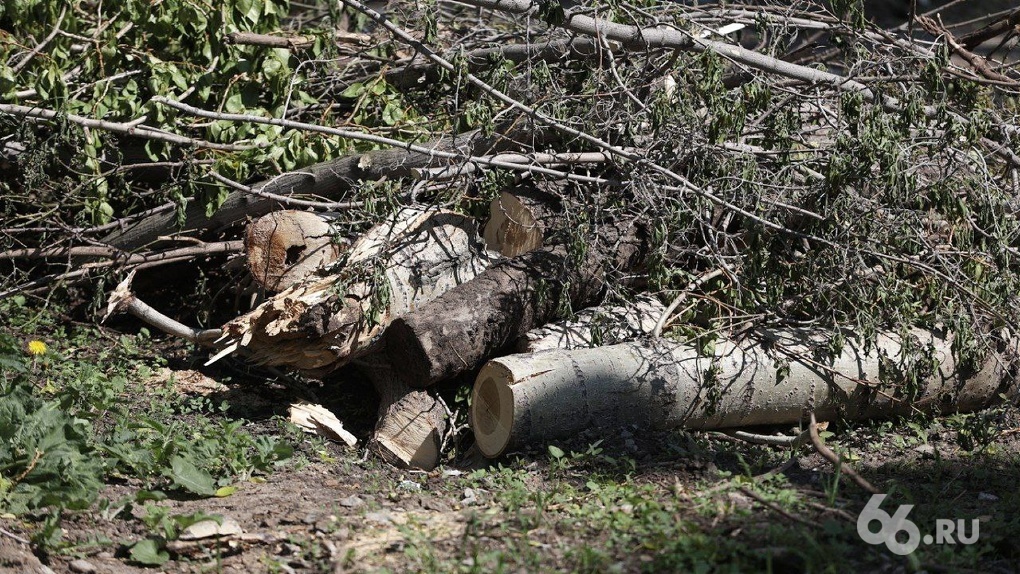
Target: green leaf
{"type": "Point", "coordinates": [353, 91]}
{"type": "Point", "coordinates": [191, 478]}
{"type": "Point", "coordinates": [225, 491]}
{"type": "Point", "coordinates": [556, 452]}
{"type": "Point", "coordinates": [149, 552]}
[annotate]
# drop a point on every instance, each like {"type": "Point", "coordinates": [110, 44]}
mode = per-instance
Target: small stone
{"type": "Point", "coordinates": [925, 449]}
{"type": "Point", "coordinates": [469, 497]}
{"type": "Point", "coordinates": [209, 528]}
{"type": "Point", "coordinates": [435, 504]}
{"type": "Point", "coordinates": [987, 497]}
{"type": "Point", "coordinates": [379, 517]}
{"type": "Point", "coordinates": [409, 485]}
{"type": "Point", "coordinates": [82, 566]}
{"type": "Point", "coordinates": [352, 501]}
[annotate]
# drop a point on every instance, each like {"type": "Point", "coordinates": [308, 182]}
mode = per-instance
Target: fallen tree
{"type": "Point", "coordinates": [764, 379]}
{"type": "Point", "coordinates": [862, 190]}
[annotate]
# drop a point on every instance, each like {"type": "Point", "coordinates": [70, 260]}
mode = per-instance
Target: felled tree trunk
{"type": "Point", "coordinates": [542, 396]}
{"type": "Point", "coordinates": [475, 321]}
{"type": "Point", "coordinates": [331, 180]}
{"type": "Point", "coordinates": [321, 324]}
{"type": "Point", "coordinates": [596, 326]}
{"type": "Point", "coordinates": [284, 247]}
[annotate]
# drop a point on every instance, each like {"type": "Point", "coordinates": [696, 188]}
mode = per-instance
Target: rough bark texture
{"type": "Point", "coordinates": [533, 397]}
{"type": "Point", "coordinates": [473, 322]}
{"type": "Point", "coordinates": [285, 247]}
{"type": "Point", "coordinates": [330, 180]}
{"type": "Point", "coordinates": [320, 324]}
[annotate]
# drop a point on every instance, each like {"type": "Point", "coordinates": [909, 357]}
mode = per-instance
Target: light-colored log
{"type": "Point", "coordinates": [552, 394]}
{"type": "Point", "coordinates": [285, 247]}
{"type": "Point", "coordinates": [596, 326]}
{"type": "Point", "coordinates": [519, 220]}
{"type": "Point", "coordinates": [321, 324]}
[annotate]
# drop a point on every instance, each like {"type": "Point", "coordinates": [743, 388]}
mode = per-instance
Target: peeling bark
{"type": "Point", "coordinates": [321, 324]}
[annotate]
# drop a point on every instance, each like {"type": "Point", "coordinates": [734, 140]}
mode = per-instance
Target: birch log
{"type": "Point", "coordinates": [596, 326]}
{"type": "Point", "coordinates": [525, 398]}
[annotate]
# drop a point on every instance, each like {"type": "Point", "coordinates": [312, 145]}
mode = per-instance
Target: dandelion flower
{"type": "Point", "coordinates": [36, 347]}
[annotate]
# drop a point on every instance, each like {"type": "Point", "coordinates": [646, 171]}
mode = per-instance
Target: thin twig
{"type": "Point", "coordinates": [697, 283]}
{"type": "Point", "coordinates": [38, 48]}
{"type": "Point", "coordinates": [123, 300]}
{"type": "Point", "coordinates": [775, 507]}
{"type": "Point", "coordinates": [15, 537]}
{"type": "Point", "coordinates": [832, 457]}
{"type": "Point", "coordinates": [117, 127]}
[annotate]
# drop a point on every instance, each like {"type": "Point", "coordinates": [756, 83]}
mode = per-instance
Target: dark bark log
{"type": "Point", "coordinates": [483, 318]}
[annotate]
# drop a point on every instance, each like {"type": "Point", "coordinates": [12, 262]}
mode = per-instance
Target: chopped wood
{"type": "Point", "coordinates": [411, 422]}
{"type": "Point", "coordinates": [321, 324]}
{"type": "Point", "coordinates": [542, 396]}
{"type": "Point", "coordinates": [319, 420]}
{"type": "Point", "coordinates": [284, 247]}
{"type": "Point", "coordinates": [519, 221]}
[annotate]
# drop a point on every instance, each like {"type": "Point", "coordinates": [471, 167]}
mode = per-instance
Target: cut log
{"type": "Point", "coordinates": [285, 247]}
{"type": "Point", "coordinates": [480, 319]}
{"type": "Point", "coordinates": [411, 422]}
{"type": "Point", "coordinates": [520, 220]}
{"type": "Point", "coordinates": [525, 398]}
{"type": "Point", "coordinates": [320, 325]}
{"type": "Point", "coordinates": [596, 326]}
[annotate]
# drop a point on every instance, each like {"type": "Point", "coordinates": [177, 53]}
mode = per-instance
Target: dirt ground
{"type": "Point", "coordinates": [348, 512]}
{"type": "Point", "coordinates": [626, 501]}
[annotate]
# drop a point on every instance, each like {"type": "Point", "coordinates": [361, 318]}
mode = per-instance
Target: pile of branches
{"type": "Point", "coordinates": [791, 185]}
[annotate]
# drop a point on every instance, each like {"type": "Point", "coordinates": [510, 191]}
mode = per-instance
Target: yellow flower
{"type": "Point", "coordinates": [36, 347]}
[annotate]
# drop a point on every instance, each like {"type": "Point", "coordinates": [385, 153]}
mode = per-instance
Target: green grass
{"type": "Point", "coordinates": [76, 415]}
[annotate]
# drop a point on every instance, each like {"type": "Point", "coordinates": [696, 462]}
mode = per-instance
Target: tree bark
{"type": "Point", "coordinates": [596, 327]}
{"type": "Point", "coordinates": [542, 396]}
{"type": "Point", "coordinates": [319, 325]}
{"type": "Point", "coordinates": [411, 422]}
{"type": "Point", "coordinates": [330, 180]}
{"type": "Point", "coordinates": [473, 322]}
